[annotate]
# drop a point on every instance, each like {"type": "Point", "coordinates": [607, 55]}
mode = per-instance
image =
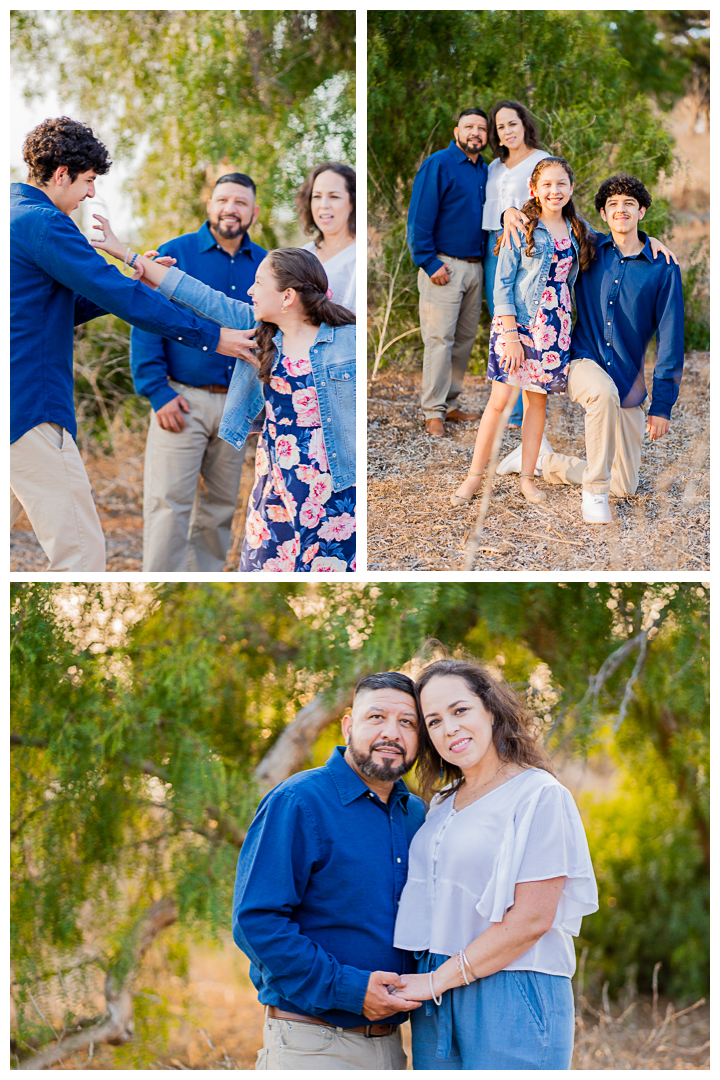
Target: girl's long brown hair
{"type": "Point", "coordinates": [298, 269]}
{"type": "Point", "coordinates": [532, 209]}
{"type": "Point", "coordinates": [513, 732]}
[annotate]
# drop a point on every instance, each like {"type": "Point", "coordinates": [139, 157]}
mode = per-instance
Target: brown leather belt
{"type": "Point", "coordinates": [214, 389]}
{"type": "Point", "coordinates": [370, 1031]}
{"type": "Point", "coordinates": [473, 258]}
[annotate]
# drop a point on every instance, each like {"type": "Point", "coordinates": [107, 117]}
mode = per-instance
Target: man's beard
{"type": "Point", "coordinates": [229, 228]}
{"type": "Point", "coordinates": [379, 771]}
{"type": "Point", "coordinates": [467, 149]}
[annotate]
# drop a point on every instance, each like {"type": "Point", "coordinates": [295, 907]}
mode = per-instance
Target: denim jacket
{"type": "Point", "coordinates": [520, 279]}
{"type": "Point", "coordinates": [332, 358]}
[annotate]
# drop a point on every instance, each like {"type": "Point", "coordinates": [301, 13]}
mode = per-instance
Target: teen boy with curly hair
{"type": "Point", "coordinates": [58, 281]}
{"type": "Point", "coordinates": [623, 299]}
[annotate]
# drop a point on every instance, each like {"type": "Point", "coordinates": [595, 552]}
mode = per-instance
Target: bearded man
{"type": "Point", "coordinates": [191, 475]}
{"type": "Point", "coordinates": [318, 884]}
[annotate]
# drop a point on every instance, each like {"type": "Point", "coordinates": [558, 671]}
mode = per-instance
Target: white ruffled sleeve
{"type": "Point", "coordinates": [544, 839]}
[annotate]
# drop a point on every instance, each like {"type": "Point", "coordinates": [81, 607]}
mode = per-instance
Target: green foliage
{"type": "Point", "coordinates": [654, 889]}
{"type": "Point", "coordinates": [269, 93]}
{"type": "Point", "coordinates": [696, 297]}
{"type": "Point", "coordinates": [591, 104]}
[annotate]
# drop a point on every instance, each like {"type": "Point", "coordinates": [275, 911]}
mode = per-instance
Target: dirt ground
{"type": "Point", "coordinates": [117, 483]}
{"type": "Point", "coordinates": [413, 527]}
{"type": "Point", "coordinates": [215, 1022]}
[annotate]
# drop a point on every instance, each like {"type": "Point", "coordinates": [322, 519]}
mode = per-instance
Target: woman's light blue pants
{"type": "Point", "coordinates": [510, 1020]}
{"type": "Point", "coordinates": [489, 266]}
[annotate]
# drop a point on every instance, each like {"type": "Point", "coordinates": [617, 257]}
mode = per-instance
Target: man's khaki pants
{"type": "Point", "coordinates": [290, 1044]}
{"type": "Point", "coordinates": [49, 482]}
{"type": "Point", "coordinates": [191, 488]}
{"type": "Point", "coordinates": [613, 436]}
{"type": "Point", "coordinates": [449, 317]}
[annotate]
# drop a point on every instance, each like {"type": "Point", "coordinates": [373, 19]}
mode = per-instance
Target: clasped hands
{"type": "Point", "coordinates": [389, 993]}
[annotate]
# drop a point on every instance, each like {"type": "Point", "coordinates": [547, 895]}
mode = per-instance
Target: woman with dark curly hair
{"type": "Point", "coordinates": [499, 879]}
{"type": "Point", "coordinates": [301, 515]}
{"type": "Point", "coordinates": [326, 206]}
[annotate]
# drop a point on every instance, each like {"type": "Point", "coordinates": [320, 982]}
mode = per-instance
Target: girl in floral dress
{"type": "Point", "coordinates": [531, 351]}
{"type": "Point", "coordinates": [296, 521]}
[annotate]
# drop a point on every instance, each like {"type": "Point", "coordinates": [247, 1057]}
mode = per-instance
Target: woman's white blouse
{"type": "Point", "coordinates": [340, 270]}
{"type": "Point", "coordinates": [507, 187]}
{"type": "Point", "coordinates": [464, 866]}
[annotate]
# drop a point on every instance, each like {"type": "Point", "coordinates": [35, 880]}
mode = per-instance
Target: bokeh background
{"type": "Point", "coordinates": [179, 98]}
{"type": "Point", "coordinates": [147, 721]}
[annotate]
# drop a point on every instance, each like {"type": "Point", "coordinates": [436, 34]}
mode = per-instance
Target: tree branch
{"type": "Point", "coordinates": [290, 752]}
{"type": "Point", "coordinates": [116, 1025]}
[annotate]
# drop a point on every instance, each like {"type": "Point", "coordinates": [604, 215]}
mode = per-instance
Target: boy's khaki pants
{"type": "Point", "coordinates": [290, 1044]}
{"type": "Point", "coordinates": [613, 436]}
{"type": "Point", "coordinates": [48, 480]}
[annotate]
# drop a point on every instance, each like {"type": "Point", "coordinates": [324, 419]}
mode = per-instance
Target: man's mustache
{"type": "Point", "coordinates": [395, 746]}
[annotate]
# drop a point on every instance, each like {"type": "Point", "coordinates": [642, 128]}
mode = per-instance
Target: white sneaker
{"type": "Point", "coordinates": [513, 461]}
{"type": "Point", "coordinates": [596, 508]}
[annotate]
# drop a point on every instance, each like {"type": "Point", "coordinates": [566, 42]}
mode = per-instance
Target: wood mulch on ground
{"type": "Point", "coordinates": [413, 527]}
{"type": "Point", "coordinates": [117, 483]}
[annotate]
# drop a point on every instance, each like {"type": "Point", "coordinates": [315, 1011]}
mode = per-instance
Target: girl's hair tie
{"type": "Point", "coordinates": [329, 294]}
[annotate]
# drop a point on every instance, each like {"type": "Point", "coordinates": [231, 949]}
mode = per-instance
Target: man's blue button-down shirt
{"type": "Point", "coordinates": [621, 302]}
{"type": "Point", "coordinates": [154, 359]}
{"type": "Point", "coordinates": [318, 884]}
{"type": "Point", "coordinates": [446, 208]}
{"type": "Point", "coordinates": [58, 280]}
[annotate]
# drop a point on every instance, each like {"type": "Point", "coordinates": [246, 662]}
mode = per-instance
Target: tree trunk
{"type": "Point", "coordinates": [116, 1024]}
{"type": "Point", "coordinates": [290, 752]}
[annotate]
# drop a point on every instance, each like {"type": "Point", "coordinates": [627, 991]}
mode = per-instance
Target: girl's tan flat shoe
{"type": "Point", "coordinates": [460, 500]}
{"type": "Point", "coordinates": [533, 497]}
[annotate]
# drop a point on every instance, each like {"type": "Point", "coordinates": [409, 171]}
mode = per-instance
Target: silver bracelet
{"type": "Point", "coordinates": [127, 252]}
{"type": "Point", "coordinates": [461, 956]}
{"type": "Point", "coordinates": [437, 1000]}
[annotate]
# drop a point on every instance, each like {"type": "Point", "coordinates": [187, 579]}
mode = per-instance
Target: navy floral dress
{"type": "Point", "coordinates": [547, 342]}
{"type": "Point", "coordinates": [295, 521]}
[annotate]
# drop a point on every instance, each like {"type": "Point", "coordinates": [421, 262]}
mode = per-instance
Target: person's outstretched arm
{"type": "Point", "coordinates": [177, 285]}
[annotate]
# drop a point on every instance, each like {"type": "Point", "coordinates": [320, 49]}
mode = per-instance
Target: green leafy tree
{"type": "Point", "coordinates": [148, 720]}
{"type": "Point", "coordinates": [265, 92]}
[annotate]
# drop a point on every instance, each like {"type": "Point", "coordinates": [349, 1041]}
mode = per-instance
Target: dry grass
{"type": "Point", "coordinates": [117, 483]}
{"type": "Point", "coordinates": [412, 526]}
{"type": "Point", "coordinates": [216, 1023]}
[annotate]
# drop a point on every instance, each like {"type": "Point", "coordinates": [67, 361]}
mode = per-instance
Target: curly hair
{"type": "Point", "coordinates": [533, 210]}
{"type": "Point", "coordinates": [513, 727]}
{"type": "Point", "coordinates": [532, 135]}
{"type": "Point", "coordinates": [304, 196]}
{"type": "Point", "coordinates": [296, 268]}
{"type": "Point", "coordinates": [622, 184]}
{"type": "Point", "coordinates": [63, 142]}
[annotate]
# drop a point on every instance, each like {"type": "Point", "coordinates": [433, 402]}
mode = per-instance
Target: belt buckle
{"type": "Point", "coordinates": [369, 1034]}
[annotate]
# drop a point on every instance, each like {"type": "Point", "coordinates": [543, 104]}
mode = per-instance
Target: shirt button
{"type": "Point", "coordinates": [608, 323]}
{"type": "Point", "coordinates": [322, 383]}
{"type": "Point", "coordinates": [616, 281]}
{"type": "Point", "coordinates": [329, 419]}
{"type": "Point", "coordinates": [232, 286]}
{"type": "Point", "coordinates": [399, 860]}
{"type": "Point", "coordinates": [334, 455]}
{"type": "Point", "coordinates": [204, 348]}
{"type": "Point", "coordinates": [179, 339]}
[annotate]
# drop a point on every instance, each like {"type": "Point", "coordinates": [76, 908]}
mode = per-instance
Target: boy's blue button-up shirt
{"type": "Point", "coordinates": [446, 209]}
{"type": "Point", "coordinates": [317, 890]}
{"type": "Point", "coordinates": [621, 302]}
{"type": "Point", "coordinates": [154, 359]}
{"type": "Point", "coordinates": [58, 280]}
